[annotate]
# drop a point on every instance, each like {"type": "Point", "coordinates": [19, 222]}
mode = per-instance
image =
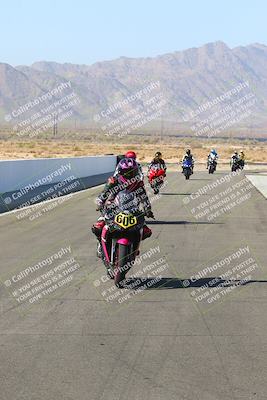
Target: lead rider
{"type": "Point", "coordinates": [127, 177]}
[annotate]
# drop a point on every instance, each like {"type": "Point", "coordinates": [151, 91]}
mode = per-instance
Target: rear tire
{"type": "Point", "coordinates": [122, 256]}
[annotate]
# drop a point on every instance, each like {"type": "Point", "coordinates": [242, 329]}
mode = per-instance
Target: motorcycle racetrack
{"type": "Point", "coordinates": [190, 323]}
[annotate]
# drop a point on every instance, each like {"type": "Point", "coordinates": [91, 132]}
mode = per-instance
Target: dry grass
{"type": "Point", "coordinates": [172, 148]}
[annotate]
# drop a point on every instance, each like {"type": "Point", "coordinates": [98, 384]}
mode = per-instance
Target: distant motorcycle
{"type": "Point", "coordinates": [156, 177]}
{"type": "Point", "coordinates": [236, 166]}
{"type": "Point", "coordinates": [121, 235]}
{"type": "Point", "coordinates": [212, 164]}
{"type": "Point", "coordinates": [187, 168]}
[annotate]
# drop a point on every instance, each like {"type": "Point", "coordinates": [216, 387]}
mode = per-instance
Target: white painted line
{"type": "Point", "coordinates": [260, 183]}
{"type": "Point", "coordinates": [48, 201]}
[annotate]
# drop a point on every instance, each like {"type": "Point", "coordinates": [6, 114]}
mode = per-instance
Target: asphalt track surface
{"type": "Point", "coordinates": [160, 343]}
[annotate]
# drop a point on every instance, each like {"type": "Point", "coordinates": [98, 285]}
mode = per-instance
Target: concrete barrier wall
{"type": "Point", "coordinates": [26, 182]}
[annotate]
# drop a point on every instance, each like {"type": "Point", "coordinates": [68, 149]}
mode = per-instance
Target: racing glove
{"type": "Point", "coordinates": [149, 214]}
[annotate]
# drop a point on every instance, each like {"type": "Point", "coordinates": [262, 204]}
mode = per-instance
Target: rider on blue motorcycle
{"type": "Point", "coordinates": [188, 157]}
{"type": "Point", "coordinates": [212, 157]}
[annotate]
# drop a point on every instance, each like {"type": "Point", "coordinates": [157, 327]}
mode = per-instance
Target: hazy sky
{"type": "Point", "coordinates": [81, 31]}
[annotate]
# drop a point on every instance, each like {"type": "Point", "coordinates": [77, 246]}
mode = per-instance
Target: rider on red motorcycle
{"type": "Point", "coordinates": [158, 160]}
{"type": "Point", "coordinates": [128, 177]}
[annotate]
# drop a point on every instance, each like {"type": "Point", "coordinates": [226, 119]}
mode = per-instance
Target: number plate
{"type": "Point", "coordinates": [125, 220]}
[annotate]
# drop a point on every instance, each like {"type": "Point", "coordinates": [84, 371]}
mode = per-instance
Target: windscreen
{"type": "Point", "coordinates": [127, 201]}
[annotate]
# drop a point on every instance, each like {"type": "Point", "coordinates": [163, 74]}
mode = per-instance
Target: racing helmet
{"type": "Point", "coordinates": [158, 154]}
{"type": "Point", "coordinates": [128, 168]}
{"type": "Point", "coordinates": [130, 154]}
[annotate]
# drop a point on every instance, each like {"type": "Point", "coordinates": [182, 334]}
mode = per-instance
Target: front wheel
{"type": "Point", "coordinates": [187, 174]}
{"type": "Point", "coordinates": [152, 184]}
{"type": "Point", "coordinates": [122, 257]}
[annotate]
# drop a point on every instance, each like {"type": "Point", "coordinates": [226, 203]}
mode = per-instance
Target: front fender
{"type": "Point", "coordinates": [124, 241]}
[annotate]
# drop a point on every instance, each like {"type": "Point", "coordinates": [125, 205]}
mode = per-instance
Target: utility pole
{"type": "Point", "coordinates": [161, 130]}
{"type": "Point", "coordinates": [55, 125]}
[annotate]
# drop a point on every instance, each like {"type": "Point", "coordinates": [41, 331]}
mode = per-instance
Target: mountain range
{"type": "Point", "coordinates": [187, 80]}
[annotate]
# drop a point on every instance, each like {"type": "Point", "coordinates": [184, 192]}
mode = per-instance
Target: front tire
{"type": "Point", "coordinates": [187, 174]}
{"type": "Point", "coordinates": [122, 257]}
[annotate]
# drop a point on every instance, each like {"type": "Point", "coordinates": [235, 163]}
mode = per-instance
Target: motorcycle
{"type": "Point", "coordinates": [236, 166]}
{"type": "Point", "coordinates": [187, 168]}
{"type": "Point", "coordinates": [156, 176]}
{"type": "Point", "coordinates": [121, 235]}
{"type": "Point", "coordinates": [212, 166]}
